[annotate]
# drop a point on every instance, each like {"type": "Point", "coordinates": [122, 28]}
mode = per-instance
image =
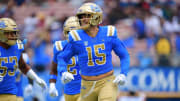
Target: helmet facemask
{"type": "Point", "coordinates": [11, 37]}
{"type": "Point", "coordinates": [85, 20]}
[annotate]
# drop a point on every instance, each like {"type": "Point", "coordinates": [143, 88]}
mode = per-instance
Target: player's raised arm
{"type": "Point", "coordinates": [26, 69]}
{"type": "Point", "coordinates": [120, 50]}
{"type": "Point", "coordinates": [63, 59]}
{"type": "Point", "coordinates": [53, 71]}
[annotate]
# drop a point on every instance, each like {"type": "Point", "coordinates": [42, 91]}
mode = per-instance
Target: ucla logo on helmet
{"type": "Point", "coordinates": [2, 24]}
{"type": "Point", "coordinates": [95, 8]}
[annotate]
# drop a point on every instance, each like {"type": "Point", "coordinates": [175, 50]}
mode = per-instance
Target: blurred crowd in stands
{"type": "Point", "coordinates": [150, 29]}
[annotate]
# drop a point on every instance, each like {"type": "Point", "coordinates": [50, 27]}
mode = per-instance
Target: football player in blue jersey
{"type": "Point", "coordinates": [10, 59]}
{"type": "Point", "coordinates": [71, 89]}
{"type": "Point", "coordinates": [93, 45]}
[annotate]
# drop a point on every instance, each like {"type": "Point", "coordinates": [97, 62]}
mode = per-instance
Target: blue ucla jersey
{"type": "Point", "coordinates": [74, 86]}
{"type": "Point", "coordinates": [94, 53]}
{"type": "Point", "coordinates": [8, 64]}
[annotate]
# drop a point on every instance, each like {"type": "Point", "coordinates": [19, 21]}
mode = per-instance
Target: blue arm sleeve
{"type": "Point", "coordinates": [120, 50]}
{"type": "Point", "coordinates": [64, 57]}
{"type": "Point", "coordinates": [54, 54]}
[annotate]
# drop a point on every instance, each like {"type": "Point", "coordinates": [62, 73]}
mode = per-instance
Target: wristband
{"type": "Point", "coordinates": [53, 77]}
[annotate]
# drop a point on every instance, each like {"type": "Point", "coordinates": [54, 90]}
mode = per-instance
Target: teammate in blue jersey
{"type": "Point", "coordinates": [71, 89]}
{"type": "Point", "coordinates": [93, 45]}
{"type": "Point", "coordinates": [10, 59]}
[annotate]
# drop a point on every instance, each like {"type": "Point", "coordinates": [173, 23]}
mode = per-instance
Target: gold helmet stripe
{"type": "Point", "coordinates": [75, 35]}
{"type": "Point", "coordinates": [111, 30]}
{"type": "Point", "coordinates": [58, 45]}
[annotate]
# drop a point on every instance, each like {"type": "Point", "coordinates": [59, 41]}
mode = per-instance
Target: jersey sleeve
{"type": "Point", "coordinates": [70, 38]}
{"type": "Point", "coordinates": [56, 47]}
{"type": "Point", "coordinates": [120, 50]}
{"type": "Point", "coordinates": [26, 58]}
{"type": "Point", "coordinates": [111, 31]}
{"type": "Point", "coordinates": [67, 53]}
{"type": "Point", "coordinates": [74, 36]}
{"type": "Point", "coordinates": [64, 57]}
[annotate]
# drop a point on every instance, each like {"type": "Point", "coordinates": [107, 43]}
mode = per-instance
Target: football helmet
{"type": "Point", "coordinates": [72, 23]}
{"type": "Point", "coordinates": [8, 31]}
{"type": "Point", "coordinates": [93, 10]}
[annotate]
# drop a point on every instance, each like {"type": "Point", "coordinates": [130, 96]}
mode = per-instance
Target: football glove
{"type": "Point", "coordinates": [41, 83]}
{"type": "Point", "coordinates": [120, 79]}
{"type": "Point", "coordinates": [28, 89]}
{"type": "Point", "coordinates": [52, 90]}
{"type": "Point", "coordinates": [66, 77]}
{"type": "Point", "coordinates": [31, 74]}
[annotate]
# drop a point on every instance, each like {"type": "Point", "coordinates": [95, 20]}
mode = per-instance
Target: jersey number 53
{"type": "Point", "coordinates": [4, 70]}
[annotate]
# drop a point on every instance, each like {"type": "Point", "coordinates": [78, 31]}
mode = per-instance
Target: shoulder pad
{"type": "Point", "coordinates": [110, 30]}
{"type": "Point", "coordinates": [20, 44]}
{"type": "Point", "coordinates": [75, 36]}
{"type": "Point", "coordinates": [58, 45]}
